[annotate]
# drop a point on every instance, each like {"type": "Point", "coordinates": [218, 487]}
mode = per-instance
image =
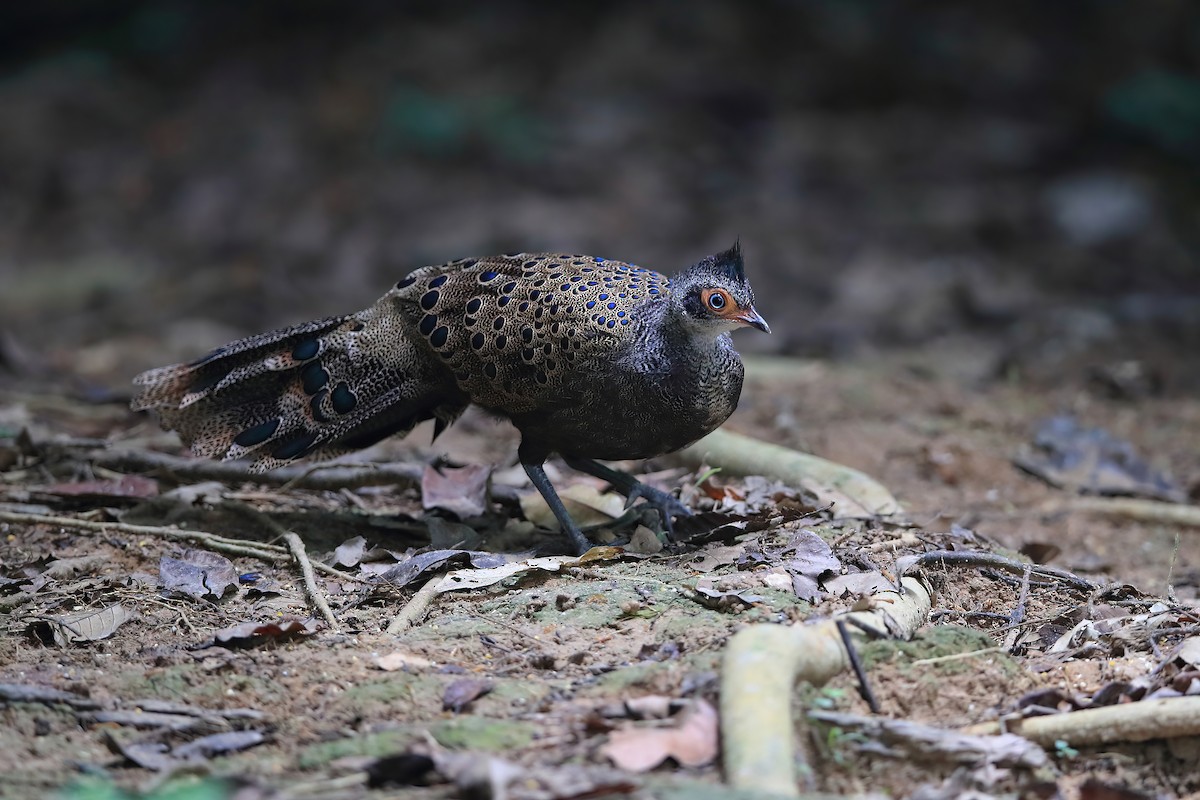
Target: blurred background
{"type": "Point", "coordinates": [1011, 188]}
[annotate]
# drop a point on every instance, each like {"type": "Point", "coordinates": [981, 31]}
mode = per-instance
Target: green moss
{"type": "Point", "coordinates": [410, 691]}
{"type": "Point", "coordinates": [482, 733]}
{"type": "Point", "coordinates": [937, 641]}
{"type": "Point", "coordinates": [374, 745]}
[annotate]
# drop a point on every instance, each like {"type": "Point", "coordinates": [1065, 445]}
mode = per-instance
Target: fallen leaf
{"type": "Point", "coordinates": [412, 568]}
{"type": "Point", "coordinates": [199, 574]}
{"type": "Point", "coordinates": [478, 578]}
{"type": "Point", "coordinates": [249, 634]}
{"type": "Point", "coordinates": [644, 542]}
{"type": "Point", "coordinates": [859, 583]}
{"type": "Point", "coordinates": [723, 599]}
{"type": "Point", "coordinates": [587, 505]}
{"type": "Point", "coordinates": [88, 626]}
{"type": "Point", "coordinates": [463, 491]}
{"type": "Point", "coordinates": [350, 552]}
{"type": "Point", "coordinates": [806, 589]}
{"type": "Point", "coordinates": [463, 692]}
{"type": "Point", "coordinates": [1188, 651]}
{"type": "Point", "coordinates": [693, 743]}
{"type": "Point", "coordinates": [809, 554]}
{"type": "Point", "coordinates": [218, 743]}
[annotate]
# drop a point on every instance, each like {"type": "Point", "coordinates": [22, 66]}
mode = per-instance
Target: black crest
{"type": "Point", "coordinates": [729, 263]}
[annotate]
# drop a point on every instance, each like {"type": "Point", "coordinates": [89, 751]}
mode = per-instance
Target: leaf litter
{"type": "Point", "coordinates": [516, 642]}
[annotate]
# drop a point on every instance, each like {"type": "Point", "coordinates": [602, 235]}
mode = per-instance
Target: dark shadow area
{"type": "Point", "coordinates": [1019, 179]}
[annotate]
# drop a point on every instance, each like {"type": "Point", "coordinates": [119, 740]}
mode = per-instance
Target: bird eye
{"type": "Point", "coordinates": [716, 301]}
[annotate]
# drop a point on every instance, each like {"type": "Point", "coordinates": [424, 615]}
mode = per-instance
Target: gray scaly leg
{"type": "Point", "coordinates": [537, 474]}
{"type": "Point", "coordinates": [667, 505]}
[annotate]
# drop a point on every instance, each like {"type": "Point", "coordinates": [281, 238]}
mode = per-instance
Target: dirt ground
{"type": "Point", "coordinates": [973, 233]}
{"type": "Point", "coordinates": [543, 668]}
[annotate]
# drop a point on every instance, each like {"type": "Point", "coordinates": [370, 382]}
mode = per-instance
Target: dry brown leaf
{"type": "Point", "coordinates": [88, 626]}
{"type": "Point", "coordinates": [692, 744]}
{"type": "Point", "coordinates": [587, 505]}
{"type": "Point", "coordinates": [463, 491]}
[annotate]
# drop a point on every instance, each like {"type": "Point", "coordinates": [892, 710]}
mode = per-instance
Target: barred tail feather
{"type": "Point", "coordinates": [306, 390]}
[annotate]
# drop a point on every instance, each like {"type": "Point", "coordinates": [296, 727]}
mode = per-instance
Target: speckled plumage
{"type": "Point", "coordinates": [589, 358]}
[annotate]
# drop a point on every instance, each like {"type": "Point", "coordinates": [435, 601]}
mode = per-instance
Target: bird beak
{"type": "Point", "coordinates": [753, 319]}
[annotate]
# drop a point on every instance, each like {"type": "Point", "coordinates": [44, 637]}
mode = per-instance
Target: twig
{"type": "Point", "coordinates": [975, 558]}
{"type": "Point", "coordinates": [921, 662]}
{"type": "Point", "coordinates": [310, 582]}
{"type": "Point", "coordinates": [416, 607]}
{"type": "Point", "coordinates": [265, 552]}
{"type": "Point", "coordinates": [303, 476]}
{"type": "Point", "coordinates": [919, 742]}
{"type": "Point", "coordinates": [308, 476]}
{"type": "Point", "coordinates": [23, 693]}
{"type": "Point", "coordinates": [1017, 615]}
{"type": "Point", "coordinates": [1161, 718]}
{"type": "Point", "coordinates": [856, 664]}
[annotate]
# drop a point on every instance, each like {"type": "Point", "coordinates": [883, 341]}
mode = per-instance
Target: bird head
{"type": "Point", "coordinates": [714, 295]}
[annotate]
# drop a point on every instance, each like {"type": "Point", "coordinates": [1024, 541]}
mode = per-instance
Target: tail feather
{"type": "Point", "coordinates": [317, 389]}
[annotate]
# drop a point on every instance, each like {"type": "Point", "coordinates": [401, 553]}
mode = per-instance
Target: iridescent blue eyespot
{"type": "Point", "coordinates": [438, 281]}
{"type": "Point", "coordinates": [258, 434]}
{"type": "Point", "coordinates": [306, 349]}
{"type": "Point", "coordinates": [488, 275]}
{"type": "Point", "coordinates": [343, 399]}
{"type": "Point", "coordinates": [294, 446]}
{"type": "Point", "coordinates": [313, 377]}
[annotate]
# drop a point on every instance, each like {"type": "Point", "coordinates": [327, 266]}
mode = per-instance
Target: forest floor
{"type": "Point", "coordinates": [137, 657]}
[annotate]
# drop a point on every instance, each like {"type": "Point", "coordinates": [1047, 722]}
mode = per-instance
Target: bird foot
{"type": "Point", "coordinates": [667, 505]}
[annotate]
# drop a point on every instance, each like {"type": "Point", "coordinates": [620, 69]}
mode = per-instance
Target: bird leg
{"type": "Point", "coordinates": [541, 481]}
{"type": "Point", "coordinates": [667, 505]}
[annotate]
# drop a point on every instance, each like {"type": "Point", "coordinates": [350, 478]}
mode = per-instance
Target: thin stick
{"type": "Point", "coordinates": [416, 607]}
{"type": "Point", "coordinates": [975, 558]}
{"type": "Point", "coordinates": [266, 552]}
{"type": "Point", "coordinates": [302, 476]}
{"type": "Point", "coordinates": [856, 664]}
{"type": "Point", "coordinates": [921, 662]}
{"type": "Point", "coordinates": [309, 476]}
{"type": "Point", "coordinates": [1017, 615]}
{"type": "Point", "coordinates": [310, 582]}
